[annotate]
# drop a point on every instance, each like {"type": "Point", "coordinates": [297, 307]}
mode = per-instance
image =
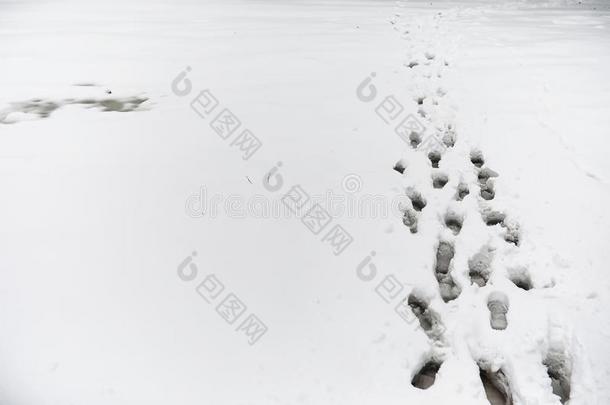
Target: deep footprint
{"type": "Point", "coordinates": [435, 158]}
{"type": "Point", "coordinates": [521, 278]}
{"type": "Point", "coordinates": [428, 319]}
{"type": "Point", "coordinates": [485, 174]}
{"type": "Point", "coordinates": [512, 234]}
{"type": "Point", "coordinates": [439, 179]}
{"type": "Point", "coordinates": [410, 219]}
{"type": "Point", "coordinates": [487, 190]}
{"type": "Point", "coordinates": [454, 221]}
{"type": "Point", "coordinates": [449, 290]}
{"type": "Point", "coordinates": [476, 157]}
{"type": "Point", "coordinates": [414, 139]}
{"type": "Point", "coordinates": [426, 376]}
{"type": "Point", "coordinates": [559, 369]}
{"type": "Point", "coordinates": [479, 267]}
{"type": "Point", "coordinates": [497, 303]}
{"type": "Point", "coordinates": [492, 217]}
{"type": "Point", "coordinates": [400, 166]}
{"type": "Point", "coordinates": [462, 191]}
{"type": "Point", "coordinates": [497, 388]}
{"type": "Point", "coordinates": [417, 200]}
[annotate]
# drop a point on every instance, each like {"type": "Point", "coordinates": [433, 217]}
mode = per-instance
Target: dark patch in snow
{"type": "Point", "coordinates": [487, 190]}
{"type": "Point", "coordinates": [462, 191]}
{"type": "Point", "coordinates": [428, 319]}
{"type": "Point", "coordinates": [497, 303]}
{"type": "Point", "coordinates": [417, 200]}
{"type": "Point", "coordinates": [521, 278]}
{"type": "Point", "coordinates": [414, 139]}
{"type": "Point", "coordinates": [492, 217]}
{"type": "Point", "coordinates": [426, 376]}
{"type": "Point", "coordinates": [454, 221]}
{"type": "Point", "coordinates": [449, 290]}
{"type": "Point", "coordinates": [497, 388]}
{"type": "Point", "coordinates": [43, 108]}
{"type": "Point", "coordinates": [513, 232]}
{"type": "Point", "coordinates": [439, 179]}
{"type": "Point", "coordinates": [435, 158]}
{"type": "Point", "coordinates": [485, 174]}
{"type": "Point", "coordinates": [476, 157]}
{"type": "Point", "coordinates": [409, 218]}
{"type": "Point", "coordinates": [400, 166]}
{"type": "Point", "coordinates": [559, 369]}
{"type": "Point", "coordinates": [479, 267]}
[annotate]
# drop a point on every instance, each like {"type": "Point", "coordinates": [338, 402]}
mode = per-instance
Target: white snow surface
{"type": "Point", "coordinates": [93, 222]}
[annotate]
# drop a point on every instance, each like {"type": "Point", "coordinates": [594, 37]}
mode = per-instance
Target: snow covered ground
{"type": "Point", "coordinates": [105, 162]}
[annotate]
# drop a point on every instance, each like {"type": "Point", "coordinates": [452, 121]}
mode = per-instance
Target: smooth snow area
{"type": "Point", "coordinates": [98, 174]}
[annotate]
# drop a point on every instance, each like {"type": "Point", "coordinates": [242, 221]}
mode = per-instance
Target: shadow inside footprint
{"type": "Point", "coordinates": [497, 388]}
{"type": "Point", "coordinates": [476, 157]}
{"type": "Point", "coordinates": [559, 368]}
{"type": "Point", "coordinates": [449, 290]}
{"type": "Point", "coordinates": [444, 255]}
{"type": "Point", "coordinates": [485, 174]}
{"type": "Point", "coordinates": [409, 218]}
{"type": "Point", "coordinates": [435, 158]}
{"type": "Point", "coordinates": [521, 278]}
{"type": "Point", "coordinates": [462, 191]}
{"type": "Point", "coordinates": [428, 319]}
{"type": "Point", "coordinates": [454, 221]}
{"type": "Point", "coordinates": [479, 267]}
{"type": "Point", "coordinates": [439, 179]}
{"type": "Point", "coordinates": [492, 218]}
{"type": "Point", "coordinates": [512, 234]}
{"type": "Point", "coordinates": [414, 139]}
{"type": "Point", "coordinates": [417, 200]}
{"type": "Point", "coordinates": [497, 303]}
{"type": "Point", "coordinates": [400, 166]}
{"type": "Point", "coordinates": [426, 376]}
{"type": "Point", "coordinates": [487, 190]}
